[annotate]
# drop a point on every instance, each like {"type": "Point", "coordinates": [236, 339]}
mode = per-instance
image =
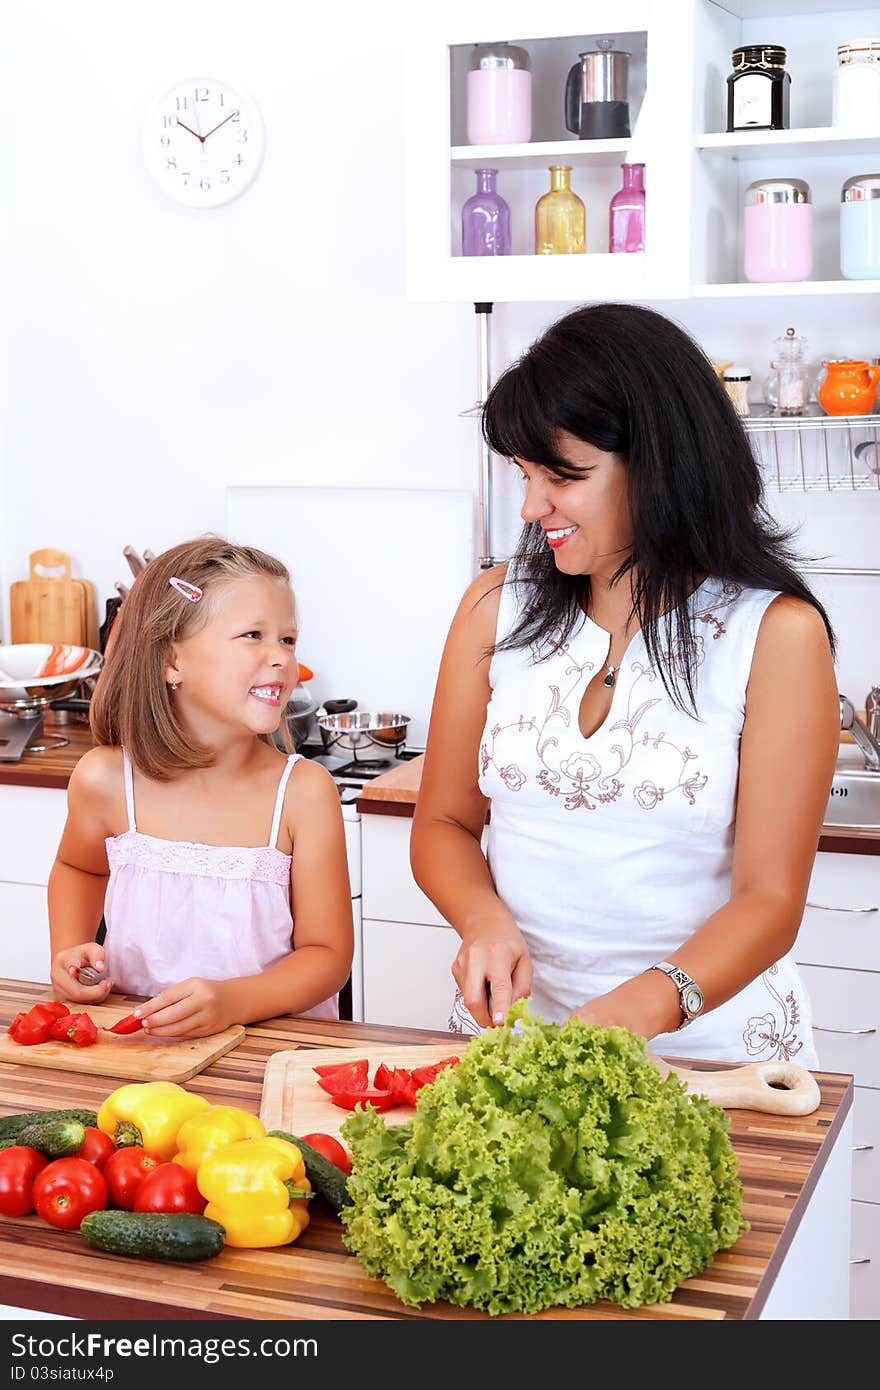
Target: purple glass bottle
{"type": "Point", "coordinates": [626, 211]}
{"type": "Point", "coordinates": [485, 219]}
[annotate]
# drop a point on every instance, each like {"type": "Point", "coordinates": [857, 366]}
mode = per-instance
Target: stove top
{"type": "Point", "coordinates": [351, 774]}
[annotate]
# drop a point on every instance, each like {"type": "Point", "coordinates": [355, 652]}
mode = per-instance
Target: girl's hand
{"type": "Point", "coordinates": [492, 963]}
{"type": "Point", "coordinates": [192, 1009]}
{"type": "Point", "coordinates": [64, 971]}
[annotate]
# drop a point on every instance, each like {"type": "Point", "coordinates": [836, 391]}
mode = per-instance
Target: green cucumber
{"type": "Point", "coordinates": [153, 1235]}
{"type": "Point", "coordinates": [328, 1181]}
{"type": "Point", "coordinates": [60, 1139]}
{"type": "Point", "coordinates": [12, 1125]}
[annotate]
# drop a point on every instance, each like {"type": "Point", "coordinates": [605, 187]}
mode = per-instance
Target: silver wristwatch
{"type": "Point", "coordinates": [690, 996]}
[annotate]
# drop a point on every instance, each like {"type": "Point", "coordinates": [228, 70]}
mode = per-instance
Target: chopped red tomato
{"type": "Point", "coordinates": [32, 1027]}
{"type": "Point", "coordinates": [130, 1024]}
{"type": "Point", "coordinates": [397, 1080]}
{"type": "Point", "coordinates": [350, 1076]}
{"type": "Point", "coordinates": [78, 1029]}
{"type": "Point", "coordinates": [54, 1006]}
{"type": "Point", "coordinates": [347, 1100]}
{"type": "Point", "coordinates": [423, 1076]}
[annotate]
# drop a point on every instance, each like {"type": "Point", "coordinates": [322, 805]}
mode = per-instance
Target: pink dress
{"type": "Point", "coordinates": [175, 909]}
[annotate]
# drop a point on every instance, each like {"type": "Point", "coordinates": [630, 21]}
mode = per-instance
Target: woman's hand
{"type": "Point", "coordinates": [68, 962]}
{"type": "Point", "coordinates": [192, 1009]}
{"type": "Point", "coordinates": [492, 962]}
{"type": "Point", "coordinates": [647, 1005]}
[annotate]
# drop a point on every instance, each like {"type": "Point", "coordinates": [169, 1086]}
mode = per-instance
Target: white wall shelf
{"type": "Point", "coordinates": [779, 289]}
{"type": "Point", "coordinates": [539, 153]}
{"type": "Point", "coordinates": [788, 144]}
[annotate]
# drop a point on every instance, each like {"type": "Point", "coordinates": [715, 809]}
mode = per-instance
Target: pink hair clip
{"type": "Point", "coordinates": [189, 591]}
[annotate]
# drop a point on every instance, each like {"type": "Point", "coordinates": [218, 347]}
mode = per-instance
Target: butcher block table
{"type": "Point", "coordinates": [786, 1165]}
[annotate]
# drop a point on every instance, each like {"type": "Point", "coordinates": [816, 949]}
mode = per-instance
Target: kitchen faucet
{"type": "Point", "coordinates": [863, 736]}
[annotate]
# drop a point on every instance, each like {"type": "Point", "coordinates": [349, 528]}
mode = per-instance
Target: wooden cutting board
{"type": "Point", "coordinates": [293, 1101]}
{"type": "Point", "coordinates": [134, 1057]}
{"type": "Point", "coordinates": [52, 606]}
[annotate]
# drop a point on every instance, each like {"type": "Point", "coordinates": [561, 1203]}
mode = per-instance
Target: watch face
{"type": "Point", "coordinates": [692, 1000]}
{"type": "Point", "coordinates": [203, 142]}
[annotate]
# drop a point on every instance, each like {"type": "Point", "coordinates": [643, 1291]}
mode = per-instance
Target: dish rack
{"type": "Point", "coordinates": [816, 452]}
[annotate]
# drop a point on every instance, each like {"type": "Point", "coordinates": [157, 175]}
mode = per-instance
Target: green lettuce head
{"type": "Point", "coordinates": [552, 1166]}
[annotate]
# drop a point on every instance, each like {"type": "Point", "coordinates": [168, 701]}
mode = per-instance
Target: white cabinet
{"type": "Point", "coordinates": [696, 174]}
{"type": "Point", "coordinates": [838, 951]}
{"type": "Point", "coordinates": [408, 948]}
{"type": "Point", "coordinates": [31, 822]}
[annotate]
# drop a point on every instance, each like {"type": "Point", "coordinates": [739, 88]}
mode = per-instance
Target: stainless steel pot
{"type": "Point", "coordinates": [353, 731]}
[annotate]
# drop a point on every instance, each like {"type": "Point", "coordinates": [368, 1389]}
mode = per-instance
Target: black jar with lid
{"type": "Point", "coordinates": [758, 88]}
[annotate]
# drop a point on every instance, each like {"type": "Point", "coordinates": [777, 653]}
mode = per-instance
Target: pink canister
{"type": "Point", "coordinates": [778, 230]}
{"type": "Point", "coordinates": [499, 95]}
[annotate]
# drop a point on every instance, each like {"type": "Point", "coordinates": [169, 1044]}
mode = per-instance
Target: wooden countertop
{"type": "Point", "coordinates": [43, 1268]}
{"type": "Point", "coordinates": [52, 768]}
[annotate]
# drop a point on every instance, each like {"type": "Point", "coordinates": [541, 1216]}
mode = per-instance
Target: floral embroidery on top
{"type": "Point", "coordinates": [774, 1033]}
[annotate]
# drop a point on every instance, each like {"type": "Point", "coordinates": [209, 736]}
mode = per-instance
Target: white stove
{"type": "Point", "coordinates": [351, 775]}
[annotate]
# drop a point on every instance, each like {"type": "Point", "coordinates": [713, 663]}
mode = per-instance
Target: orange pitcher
{"type": "Point", "coordinates": [849, 388]}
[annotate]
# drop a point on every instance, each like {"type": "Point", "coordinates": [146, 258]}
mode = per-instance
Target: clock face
{"type": "Point", "coordinates": [203, 142]}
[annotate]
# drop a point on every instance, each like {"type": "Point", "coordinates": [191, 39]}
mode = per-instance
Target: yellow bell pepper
{"type": "Point", "coordinates": [258, 1190]}
{"type": "Point", "coordinates": [211, 1129]}
{"type": "Point", "coordinates": [149, 1113]}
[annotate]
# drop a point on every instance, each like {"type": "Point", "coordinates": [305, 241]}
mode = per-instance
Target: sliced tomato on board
{"type": "Point", "coordinates": [79, 1029]}
{"type": "Point", "coordinates": [130, 1024]}
{"type": "Point", "coordinates": [347, 1100]}
{"type": "Point", "coordinates": [347, 1076]}
{"type": "Point", "coordinates": [397, 1080]}
{"type": "Point", "coordinates": [423, 1076]}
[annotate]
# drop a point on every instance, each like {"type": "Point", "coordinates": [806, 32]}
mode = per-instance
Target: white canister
{"type": "Point", "coordinates": [855, 102]}
{"type": "Point", "coordinates": [860, 228]}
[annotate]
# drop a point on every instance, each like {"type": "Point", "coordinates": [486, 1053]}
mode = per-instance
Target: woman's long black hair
{"type": "Point", "coordinates": [631, 382]}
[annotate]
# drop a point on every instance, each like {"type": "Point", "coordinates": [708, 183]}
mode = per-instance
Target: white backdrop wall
{"type": "Point", "coordinates": [155, 355]}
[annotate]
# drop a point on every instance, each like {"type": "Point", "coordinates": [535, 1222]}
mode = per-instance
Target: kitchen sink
{"type": "Point", "coordinates": [855, 793]}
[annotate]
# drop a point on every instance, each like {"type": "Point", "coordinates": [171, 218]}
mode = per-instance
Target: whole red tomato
{"type": "Point", "coordinates": [124, 1172]}
{"type": "Point", "coordinates": [67, 1190]}
{"type": "Point", "coordinates": [331, 1149]}
{"type": "Point", "coordinates": [169, 1188]}
{"type": "Point", "coordinates": [96, 1147]}
{"type": "Point", "coordinates": [19, 1165]}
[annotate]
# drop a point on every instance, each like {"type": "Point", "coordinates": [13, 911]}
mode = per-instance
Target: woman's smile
{"type": "Point", "coordinates": [557, 538]}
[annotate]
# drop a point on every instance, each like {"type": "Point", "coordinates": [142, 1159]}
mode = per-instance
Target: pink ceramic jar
{"type": "Point", "coordinates": [778, 231]}
{"type": "Point", "coordinates": [499, 95]}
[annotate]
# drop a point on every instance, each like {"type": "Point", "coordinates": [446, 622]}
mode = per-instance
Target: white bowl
{"type": "Point", "coordinates": [21, 663]}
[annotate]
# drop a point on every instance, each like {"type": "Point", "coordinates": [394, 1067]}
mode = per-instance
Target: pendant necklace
{"type": "Point", "coordinates": [610, 673]}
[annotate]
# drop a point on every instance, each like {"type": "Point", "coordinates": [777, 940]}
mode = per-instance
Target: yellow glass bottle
{"type": "Point", "coordinates": [560, 217]}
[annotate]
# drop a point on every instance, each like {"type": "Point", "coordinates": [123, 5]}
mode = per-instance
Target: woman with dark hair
{"type": "Point", "coordinates": [644, 700]}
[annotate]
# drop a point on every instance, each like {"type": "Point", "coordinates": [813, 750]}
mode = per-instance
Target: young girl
{"type": "Point", "coordinates": [188, 826]}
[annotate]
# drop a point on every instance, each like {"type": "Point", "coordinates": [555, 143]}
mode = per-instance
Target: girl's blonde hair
{"type": "Point", "coordinates": [132, 705]}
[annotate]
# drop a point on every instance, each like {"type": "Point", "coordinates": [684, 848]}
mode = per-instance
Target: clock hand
{"type": "Point", "coordinates": [217, 127]}
{"type": "Point", "coordinates": [201, 138]}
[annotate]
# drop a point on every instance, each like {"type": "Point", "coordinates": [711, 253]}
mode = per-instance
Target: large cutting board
{"type": "Point", "coordinates": [135, 1057]}
{"type": "Point", "coordinates": [293, 1101]}
{"type": "Point", "coordinates": [52, 606]}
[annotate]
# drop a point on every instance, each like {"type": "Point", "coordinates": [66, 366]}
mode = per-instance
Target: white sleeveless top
{"type": "Point", "coordinates": [610, 851]}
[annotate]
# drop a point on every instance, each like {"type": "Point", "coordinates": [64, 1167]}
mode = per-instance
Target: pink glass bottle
{"type": "Point", "coordinates": [626, 211]}
{"type": "Point", "coordinates": [485, 219]}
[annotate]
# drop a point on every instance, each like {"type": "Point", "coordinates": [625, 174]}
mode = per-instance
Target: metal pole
{"type": "Point", "coordinates": [484, 384]}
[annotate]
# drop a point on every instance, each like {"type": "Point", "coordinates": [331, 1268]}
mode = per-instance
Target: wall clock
{"type": "Point", "coordinates": [203, 142]}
